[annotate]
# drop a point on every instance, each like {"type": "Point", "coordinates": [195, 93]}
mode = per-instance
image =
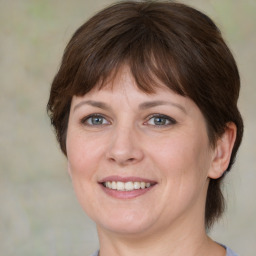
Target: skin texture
{"type": "Point", "coordinates": [129, 141]}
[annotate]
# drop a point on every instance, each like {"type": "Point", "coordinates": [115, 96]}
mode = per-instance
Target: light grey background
{"type": "Point", "coordinates": [39, 213]}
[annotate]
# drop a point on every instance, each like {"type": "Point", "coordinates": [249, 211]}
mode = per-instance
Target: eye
{"type": "Point", "coordinates": [160, 120]}
{"type": "Point", "coordinates": [95, 120]}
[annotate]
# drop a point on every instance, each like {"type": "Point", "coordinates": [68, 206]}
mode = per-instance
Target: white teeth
{"type": "Point", "coordinates": [113, 185]}
{"type": "Point", "coordinates": [136, 185]}
{"type": "Point", "coordinates": [120, 186]}
{"type": "Point", "coordinates": [126, 186]}
{"type": "Point", "coordinates": [109, 184]}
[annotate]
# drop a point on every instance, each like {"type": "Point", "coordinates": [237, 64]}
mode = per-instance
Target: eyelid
{"type": "Point", "coordinates": [85, 119]}
{"type": "Point", "coordinates": [170, 119]}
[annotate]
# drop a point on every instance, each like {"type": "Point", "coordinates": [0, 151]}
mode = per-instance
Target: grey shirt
{"type": "Point", "coordinates": [229, 252]}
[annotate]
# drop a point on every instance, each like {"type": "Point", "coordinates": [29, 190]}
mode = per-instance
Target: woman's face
{"type": "Point", "coordinates": [139, 162]}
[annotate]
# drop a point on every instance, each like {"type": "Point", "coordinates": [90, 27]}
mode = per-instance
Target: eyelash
{"type": "Point", "coordinates": [170, 120]}
{"type": "Point", "coordinates": [85, 120]}
{"type": "Point", "coordinates": [167, 121]}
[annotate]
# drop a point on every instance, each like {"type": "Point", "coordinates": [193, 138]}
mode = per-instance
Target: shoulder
{"type": "Point", "coordinates": [230, 252]}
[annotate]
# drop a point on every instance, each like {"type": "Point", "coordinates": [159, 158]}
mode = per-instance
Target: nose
{"type": "Point", "coordinates": [125, 147]}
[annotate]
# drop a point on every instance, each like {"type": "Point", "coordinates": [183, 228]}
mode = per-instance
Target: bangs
{"type": "Point", "coordinates": [149, 56]}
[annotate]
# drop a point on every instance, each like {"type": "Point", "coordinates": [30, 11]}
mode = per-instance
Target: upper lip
{"type": "Point", "coordinates": [126, 179]}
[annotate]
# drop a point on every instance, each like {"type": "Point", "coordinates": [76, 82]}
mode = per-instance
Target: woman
{"type": "Point", "coordinates": [145, 109]}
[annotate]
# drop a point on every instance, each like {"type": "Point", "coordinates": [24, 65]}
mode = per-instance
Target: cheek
{"type": "Point", "coordinates": [184, 167]}
{"type": "Point", "coordinates": [182, 158]}
{"type": "Point", "coordinates": [81, 157]}
{"type": "Point", "coordinates": [83, 162]}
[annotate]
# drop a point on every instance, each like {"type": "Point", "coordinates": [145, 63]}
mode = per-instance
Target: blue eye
{"type": "Point", "coordinates": [95, 120]}
{"type": "Point", "coordinates": [160, 120]}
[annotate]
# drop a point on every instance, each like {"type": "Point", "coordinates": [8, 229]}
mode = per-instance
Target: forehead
{"type": "Point", "coordinates": [123, 89]}
{"type": "Point", "coordinates": [122, 80]}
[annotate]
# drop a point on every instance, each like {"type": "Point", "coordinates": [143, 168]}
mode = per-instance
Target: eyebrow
{"type": "Point", "coordinates": [151, 104]}
{"type": "Point", "coordinates": [93, 103]}
{"type": "Point", "coordinates": [143, 106]}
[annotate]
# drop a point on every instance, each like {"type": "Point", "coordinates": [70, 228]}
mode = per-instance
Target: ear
{"type": "Point", "coordinates": [222, 152]}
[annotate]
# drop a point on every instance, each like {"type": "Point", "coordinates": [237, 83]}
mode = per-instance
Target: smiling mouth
{"type": "Point", "coordinates": [127, 186]}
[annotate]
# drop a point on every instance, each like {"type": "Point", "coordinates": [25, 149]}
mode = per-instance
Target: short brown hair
{"type": "Point", "coordinates": [160, 41]}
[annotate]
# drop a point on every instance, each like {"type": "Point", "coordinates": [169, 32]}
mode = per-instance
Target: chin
{"type": "Point", "coordinates": [125, 223]}
{"type": "Point", "coordinates": [122, 229]}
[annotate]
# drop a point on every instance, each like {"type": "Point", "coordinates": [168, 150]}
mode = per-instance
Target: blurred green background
{"type": "Point", "coordinates": [39, 213]}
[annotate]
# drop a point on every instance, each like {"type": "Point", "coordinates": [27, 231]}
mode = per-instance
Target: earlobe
{"type": "Point", "coordinates": [223, 151]}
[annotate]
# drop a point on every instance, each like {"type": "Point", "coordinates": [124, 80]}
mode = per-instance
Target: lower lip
{"type": "Point", "coordinates": [126, 194]}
